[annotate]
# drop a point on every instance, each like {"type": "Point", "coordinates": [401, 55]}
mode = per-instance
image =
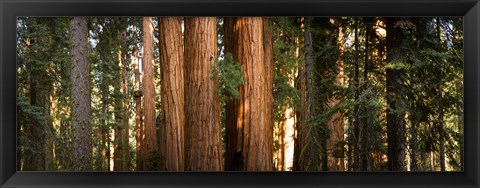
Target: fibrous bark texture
{"type": "Point", "coordinates": [172, 87]}
{"type": "Point", "coordinates": [148, 136]}
{"type": "Point", "coordinates": [203, 146]}
{"type": "Point", "coordinates": [249, 148]}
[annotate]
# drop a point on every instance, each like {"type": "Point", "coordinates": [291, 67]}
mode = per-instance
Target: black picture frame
{"type": "Point", "coordinates": [10, 9]}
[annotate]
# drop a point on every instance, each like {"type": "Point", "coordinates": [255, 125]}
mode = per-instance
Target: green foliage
{"type": "Point", "coordinates": [35, 128]}
{"type": "Point", "coordinates": [285, 95]}
{"type": "Point", "coordinates": [229, 76]}
{"type": "Point", "coordinates": [30, 115]}
{"type": "Point", "coordinates": [430, 87]}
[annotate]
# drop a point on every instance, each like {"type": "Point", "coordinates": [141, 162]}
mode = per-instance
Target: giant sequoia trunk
{"type": "Point", "coordinates": [172, 86]}
{"type": "Point", "coordinates": [148, 142]}
{"type": "Point", "coordinates": [269, 66]}
{"type": "Point", "coordinates": [82, 147]}
{"type": "Point", "coordinates": [233, 155]}
{"type": "Point", "coordinates": [249, 133]}
{"type": "Point", "coordinates": [203, 146]}
{"type": "Point", "coordinates": [395, 120]}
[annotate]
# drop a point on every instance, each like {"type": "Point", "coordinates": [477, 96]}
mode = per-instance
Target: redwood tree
{"type": "Point", "coordinates": [250, 149]}
{"type": "Point", "coordinates": [148, 142]}
{"type": "Point", "coordinates": [203, 146]}
{"type": "Point", "coordinates": [172, 86]}
{"type": "Point", "coordinates": [269, 64]}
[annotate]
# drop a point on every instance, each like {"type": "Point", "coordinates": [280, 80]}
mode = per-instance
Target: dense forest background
{"type": "Point", "coordinates": [240, 94]}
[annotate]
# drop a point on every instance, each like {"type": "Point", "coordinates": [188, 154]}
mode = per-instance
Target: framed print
{"type": "Point", "coordinates": [267, 93]}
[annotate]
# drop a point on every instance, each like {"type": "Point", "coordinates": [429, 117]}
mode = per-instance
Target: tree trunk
{"type": "Point", "coordinates": [281, 143]}
{"type": "Point", "coordinates": [105, 149]}
{"type": "Point", "coordinates": [368, 133]}
{"type": "Point", "coordinates": [118, 153]}
{"type": "Point", "coordinates": [233, 155]}
{"type": "Point", "coordinates": [441, 118]}
{"type": "Point", "coordinates": [122, 156]}
{"type": "Point", "coordinates": [335, 123]}
{"type": "Point", "coordinates": [432, 161]}
{"type": "Point", "coordinates": [395, 120]}
{"type": "Point", "coordinates": [269, 66]}
{"type": "Point", "coordinates": [291, 115]}
{"type": "Point", "coordinates": [252, 151]}
{"type": "Point", "coordinates": [172, 86]}
{"type": "Point", "coordinates": [118, 113]}
{"type": "Point", "coordinates": [80, 94]}
{"type": "Point", "coordinates": [203, 146]}
{"type": "Point", "coordinates": [301, 112]}
{"type": "Point", "coordinates": [148, 142]}
{"type": "Point", "coordinates": [126, 104]}
{"type": "Point", "coordinates": [442, 140]}
{"type": "Point", "coordinates": [413, 145]}
{"type": "Point", "coordinates": [138, 99]}
{"type": "Point", "coordinates": [51, 159]}
{"type": "Point", "coordinates": [309, 154]}
{"type": "Point", "coordinates": [356, 118]}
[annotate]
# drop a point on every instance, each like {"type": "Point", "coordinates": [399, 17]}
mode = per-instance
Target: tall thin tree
{"type": "Point", "coordinates": [335, 124]}
{"type": "Point", "coordinates": [395, 117]}
{"type": "Point", "coordinates": [310, 155]}
{"type": "Point", "coordinates": [80, 94]}
{"type": "Point", "coordinates": [148, 142]}
{"type": "Point", "coordinates": [126, 103]}
{"type": "Point", "coordinates": [138, 97]}
{"type": "Point", "coordinates": [269, 66]}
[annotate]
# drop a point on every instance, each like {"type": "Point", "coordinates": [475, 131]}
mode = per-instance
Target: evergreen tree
{"type": "Point", "coordinates": [248, 130]}
{"type": "Point", "coordinates": [203, 147]}
{"type": "Point", "coordinates": [173, 96]}
{"type": "Point", "coordinates": [148, 143]}
{"type": "Point", "coordinates": [82, 147]}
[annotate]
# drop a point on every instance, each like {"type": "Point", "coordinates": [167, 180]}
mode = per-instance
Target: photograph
{"type": "Point", "coordinates": [210, 94]}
